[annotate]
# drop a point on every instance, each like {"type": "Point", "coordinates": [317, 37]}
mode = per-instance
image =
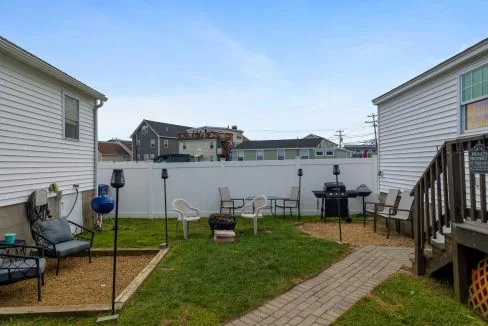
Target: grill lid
{"type": "Point", "coordinates": [363, 190]}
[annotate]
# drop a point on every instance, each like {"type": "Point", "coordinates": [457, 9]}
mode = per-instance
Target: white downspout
{"type": "Point", "coordinates": [95, 163]}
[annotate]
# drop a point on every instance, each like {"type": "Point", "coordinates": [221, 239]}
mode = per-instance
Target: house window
{"type": "Point", "coordinates": [166, 144]}
{"type": "Point", "coordinates": [329, 153]}
{"type": "Point", "coordinates": [138, 157]}
{"type": "Point", "coordinates": [151, 156]}
{"type": "Point", "coordinates": [281, 154]}
{"type": "Point", "coordinates": [475, 84]}
{"type": "Point", "coordinates": [211, 144]}
{"type": "Point", "coordinates": [145, 129]}
{"type": "Point", "coordinates": [239, 136]}
{"type": "Point", "coordinates": [146, 157]}
{"type": "Point", "coordinates": [138, 142]}
{"type": "Point", "coordinates": [184, 145]}
{"type": "Point", "coordinates": [319, 152]}
{"type": "Point", "coordinates": [474, 102]}
{"type": "Point", "coordinates": [211, 158]}
{"type": "Point", "coordinates": [476, 114]}
{"type": "Point", "coordinates": [240, 156]}
{"type": "Point", "coordinates": [259, 155]}
{"type": "Point", "coordinates": [71, 118]}
{"type": "Point", "coordinates": [304, 154]}
{"type": "Point", "coordinates": [153, 143]}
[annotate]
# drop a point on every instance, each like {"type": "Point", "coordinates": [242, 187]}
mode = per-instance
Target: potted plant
{"type": "Point", "coordinates": [221, 222]}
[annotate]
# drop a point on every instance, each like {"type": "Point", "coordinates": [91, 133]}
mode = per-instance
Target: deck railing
{"type": "Point", "coordinates": [441, 195]}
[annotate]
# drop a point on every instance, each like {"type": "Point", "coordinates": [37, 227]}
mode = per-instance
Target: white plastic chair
{"type": "Point", "coordinates": [185, 214]}
{"type": "Point", "coordinates": [254, 210]}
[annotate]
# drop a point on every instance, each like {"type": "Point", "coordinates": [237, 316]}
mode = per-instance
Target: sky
{"type": "Point", "coordinates": [276, 69]}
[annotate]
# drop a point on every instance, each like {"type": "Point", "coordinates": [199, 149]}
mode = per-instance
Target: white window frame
{"type": "Point", "coordinates": [257, 156]}
{"type": "Point", "coordinates": [462, 110]}
{"type": "Point", "coordinates": [302, 157]}
{"type": "Point", "coordinates": [184, 145]}
{"type": "Point", "coordinates": [278, 154]}
{"type": "Point", "coordinates": [144, 129]}
{"type": "Point", "coordinates": [211, 158]}
{"type": "Point", "coordinates": [240, 155]}
{"type": "Point", "coordinates": [153, 143]}
{"type": "Point", "coordinates": [146, 157]}
{"type": "Point", "coordinates": [320, 150]}
{"type": "Point", "coordinates": [326, 152]}
{"type": "Point", "coordinates": [64, 94]}
{"type": "Point", "coordinates": [166, 143]}
{"type": "Point", "coordinates": [151, 156]}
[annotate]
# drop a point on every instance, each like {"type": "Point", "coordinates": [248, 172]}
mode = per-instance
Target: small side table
{"type": "Point", "coordinates": [13, 249]}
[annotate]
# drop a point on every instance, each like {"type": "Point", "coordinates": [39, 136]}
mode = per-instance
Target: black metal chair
{"type": "Point", "coordinates": [19, 262]}
{"type": "Point", "coordinates": [226, 202]}
{"type": "Point", "coordinates": [290, 202]}
{"type": "Point", "coordinates": [58, 237]}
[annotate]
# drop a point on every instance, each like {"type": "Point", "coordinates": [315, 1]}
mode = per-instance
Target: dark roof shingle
{"type": "Point", "coordinates": [166, 129]}
{"type": "Point", "coordinates": [280, 143]}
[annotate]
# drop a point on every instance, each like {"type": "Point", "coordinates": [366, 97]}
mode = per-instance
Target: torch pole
{"type": "Point", "coordinates": [165, 214]}
{"type": "Point", "coordinates": [116, 228]}
{"type": "Point", "coordinates": [339, 208]}
{"type": "Point", "coordinates": [299, 197]}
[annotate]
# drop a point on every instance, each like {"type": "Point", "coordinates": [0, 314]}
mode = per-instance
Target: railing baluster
{"type": "Point", "coordinates": [483, 197]}
{"type": "Point", "coordinates": [445, 188]}
{"type": "Point", "coordinates": [472, 192]}
{"type": "Point", "coordinates": [431, 203]}
{"type": "Point", "coordinates": [419, 236]}
{"type": "Point", "coordinates": [439, 194]}
{"type": "Point", "coordinates": [462, 182]}
{"type": "Point", "coordinates": [428, 229]}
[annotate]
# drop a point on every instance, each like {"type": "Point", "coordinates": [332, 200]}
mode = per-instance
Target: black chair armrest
{"type": "Point", "coordinates": [239, 199]}
{"type": "Point", "coordinates": [84, 231]}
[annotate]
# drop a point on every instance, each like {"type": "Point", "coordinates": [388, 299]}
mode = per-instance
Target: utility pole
{"type": "Point", "coordinates": [340, 135]}
{"type": "Point", "coordinates": [374, 124]}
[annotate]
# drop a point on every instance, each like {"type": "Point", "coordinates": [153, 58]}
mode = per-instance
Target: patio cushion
{"type": "Point", "coordinates": [20, 270]}
{"type": "Point", "coordinates": [70, 247]}
{"type": "Point", "coordinates": [56, 230]}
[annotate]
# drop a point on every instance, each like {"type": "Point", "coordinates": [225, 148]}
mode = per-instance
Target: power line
{"type": "Point", "coordinates": [374, 124]}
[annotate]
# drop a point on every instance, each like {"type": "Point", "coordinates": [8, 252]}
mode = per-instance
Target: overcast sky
{"type": "Point", "coordinates": [277, 69]}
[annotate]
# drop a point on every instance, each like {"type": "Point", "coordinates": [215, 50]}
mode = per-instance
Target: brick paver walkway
{"type": "Point", "coordinates": [320, 300]}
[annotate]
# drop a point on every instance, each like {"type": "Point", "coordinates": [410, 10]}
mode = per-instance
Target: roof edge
{"type": "Point", "coordinates": [36, 62]}
{"type": "Point", "coordinates": [446, 65]}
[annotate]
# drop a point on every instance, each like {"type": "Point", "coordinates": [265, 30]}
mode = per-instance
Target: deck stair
{"type": "Point", "coordinates": [450, 212]}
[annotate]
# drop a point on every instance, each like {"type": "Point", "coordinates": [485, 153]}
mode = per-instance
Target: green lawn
{"type": "Point", "coordinates": [200, 282]}
{"type": "Point", "coordinates": [405, 299]}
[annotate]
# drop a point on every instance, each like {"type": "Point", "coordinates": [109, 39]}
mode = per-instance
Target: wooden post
{"type": "Point", "coordinates": [483, 197]}
{"type": "Point", "coordinates": [453, 183]}
{"type": "Point", "coordinates": [419, 264]}
{"type": "Point", "coordinates": [472, 192]}
{"type": "Point", "coordinates": [462, 182]}
{"type": "Point", "coordinates": [460, 270]}
{"type": "Point", "coordinates": [445, 188]}
{"type": "Point", "coordinates": [432, 201]}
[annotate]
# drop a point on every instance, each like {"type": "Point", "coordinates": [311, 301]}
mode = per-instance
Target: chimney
{"type": "Point", "coordinates": [234, 127]}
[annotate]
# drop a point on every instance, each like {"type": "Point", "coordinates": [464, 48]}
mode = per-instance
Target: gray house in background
{"type": "Point", "coordinates": [152, 138]}
{"type": "Point", "coordinates": [287, 149]}
{"type": "Point", "coordinates": [361, 150]}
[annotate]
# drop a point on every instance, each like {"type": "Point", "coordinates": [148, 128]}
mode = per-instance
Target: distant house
{"type": "Point", "coordinates": [360, 150]}
{"type": "Point", "coordinates": [48, 125]}
{"type": "Point", "coordinates": [415, 118]}
{"type": "Point", "coordinates": [152, 139]}
{"type": "Point", "coordinates": [287, 149]}
{"type": "Point", "coordinates": [113, 151]}
{"type": "Point", "coordinates": [209, 143]}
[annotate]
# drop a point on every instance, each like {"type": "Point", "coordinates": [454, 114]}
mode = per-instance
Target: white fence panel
{"type": "Point", "coordinates": [198, 182]}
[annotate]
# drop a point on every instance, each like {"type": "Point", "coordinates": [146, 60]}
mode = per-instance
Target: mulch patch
{"type": "Point", "coordinates": [357, 235]}
{"type": "Point", "coordinates": [79, 282]}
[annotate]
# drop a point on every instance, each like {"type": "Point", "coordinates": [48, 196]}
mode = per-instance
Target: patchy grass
{"type": "Point", "coordinates": [200, 282]}
{"type": "Point", "coordinates": [405, 299]}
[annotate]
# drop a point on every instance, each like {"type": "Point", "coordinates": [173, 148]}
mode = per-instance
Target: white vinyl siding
{"type": "Point", "coordinates": [410, 129]}
{"type": "Point", "coordinates": [32, 153]}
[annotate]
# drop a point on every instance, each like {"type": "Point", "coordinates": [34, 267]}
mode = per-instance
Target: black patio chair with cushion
{"type": "Point", "coordinates": [376, 208]}
{"type": "Point", "coordinates": [59, 237]}
{"type": "Point", "coordinates": [18, 263]}
{"type": "Point", "coordinates": [289, 203]}
{"type": "Point", "coordinates": [226, 202]}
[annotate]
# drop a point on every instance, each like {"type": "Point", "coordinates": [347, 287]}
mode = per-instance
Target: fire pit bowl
{"type": "Point", "coordinates": [221, 222]}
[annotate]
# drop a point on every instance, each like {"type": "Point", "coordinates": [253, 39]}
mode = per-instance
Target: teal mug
{"type": "Point", "coordinates": [10, 238]}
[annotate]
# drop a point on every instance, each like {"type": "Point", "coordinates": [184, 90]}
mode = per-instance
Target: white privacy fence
{"type": "Point", "coordinates": [198, 182]}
